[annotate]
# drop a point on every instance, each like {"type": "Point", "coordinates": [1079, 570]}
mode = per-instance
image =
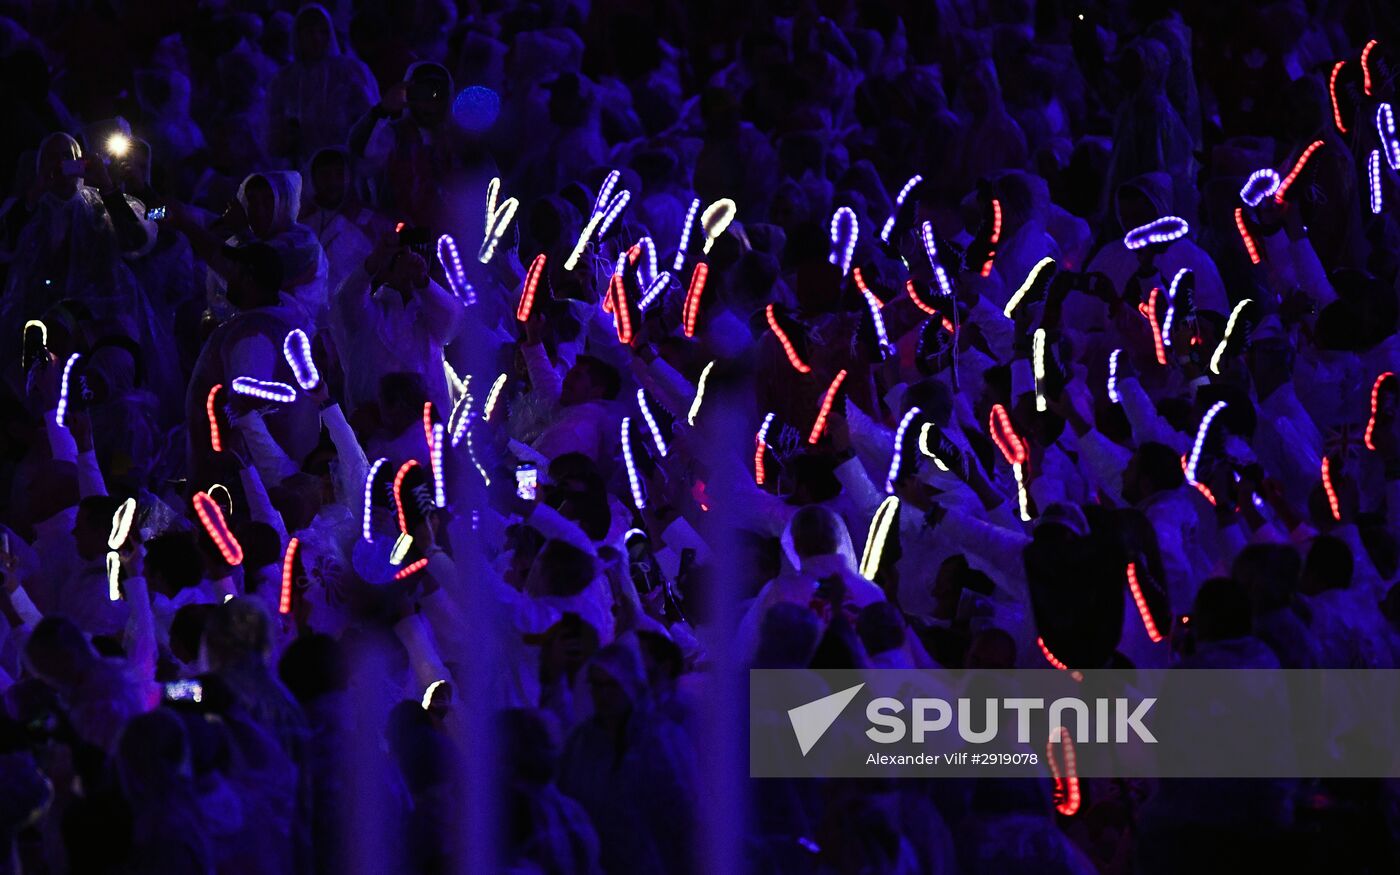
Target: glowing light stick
{"type": "Point", "coordinates": [824, 412]}
{"type": "Point", "coordinates": [646, 246]}
{"type": "Point", "coordinates": [1013, 449]}
{"type": "Point", "coordinates": [398, 493]}
{"type": "Point", "coordinates": [456, 386]}
{"type": "Point", "coordinates": [1031, 279]}
{"type": "Point", "coordinates": [1375, 407]}
{"type": "Point", "coordinates": [412, 568]}
{"type": "Point", "coordinates": [634, 480]}
{"type": "Point", "coordinates": [228, 496]}
{"type": "Point", "coordinates": [715, 220]}
{"type": "Point", "coordinates": [685, 234]}
{"type": "Point", "coordinates": [622, 313]}
{"type": "Point", "coordinates": [435, 460]}
{"type": "Point", "coordinates": [266, 390]}
{"type": "Point", "coordinates": [940, 276]}
{"type": "Point", "coordinates": [296, 349]}
{"type": "Point", "coordinates": [452, 266]}
{"type": "Point", "coordinates": [760, 449]}
{"type": "Point", "coordinates": [492, 397]}
{"type": "Point", "coordinates": [1366, 66]}
{"type": "Point", "coordinates": [584, 236]}
{"type": "Point", "coordinates": [690, 312]}
{"type": "Point", "coordinates": [428, 423]}
{"type": "Point", "coordinates": [1333, 502]}
{"type": "Point", "coordinates": [1163, 230]}
{"type": "Point", "coordinates": [1148, 624]}
{"type": "Point", "coordinates": [1113, 376]}
{"type": "Point", "coordinates": [927, 449]}
{"type": "Point", "coordinates": [121, 524]}
{"type": "Point", "coordinates": [994, 239]}
{"type": "Point", "coordinates": [428, 694]}
{"type": "Point", "coordinates": [114, 572]}
{"type": "Point", "coordinates": [875, 539]}
{"type": "Point", "coordinates": [1261, 184]}
{"type": "Point", "coordinates": [1038, 367]}
{"type": "Point", "coordinates": [1051, 658]}
{"type": "Point", "coordinates": [1229, 330]}
{"type": "Point", "coordinates": [460, 420]}
{"type": "Point", "coordinates": [497, 220]}
{"type": "Point", "coordinates": [615, 208]}
{"type": "Point", "coordinates": [788, 349]}
{"type": "Point", "coordinates": [61, 412]}
{"type": "Point", "coordinates": [1067, 793]}
{"type": "Point", "coordinates": [600, 203]}
{"type": "Point", "coordinates": [402, 544]}
{"type": "Point", "coordinates": [1201, 432]}
{"type": "Point", "coordinates": [699, 394]}
{"type": "Point", "coordinates": [898, 204]}
{"type": "Point", "coordinates": [366, 521]}
{"type": "Point", "coordinates": [1023, 499]}
{"type": "Point", "coordinates": [654, 290]}
{"type": "Point", "coordinates": [897, 459]}
{"type": "Point", "coordinates": [1249, 245]}
{"type": "Point", "coordinates": [471, 453]}
{"type": "Point", "coordinates": [1171, 306]}
{"type": "Point", "coordinates": [211, 411]}
{"type": "Point", "coordinates": [1373, 175]}
{"type": "Point", "coordinates": [875, 305]}
{"type": "Point", "coordinates": [527, 292]}
{"type": "Point", "coordinates": [918, 302]}
{"type": "Point", "coordinates": [1298, 166]}
{"type": "Point", "coordinates": [1385, 127]}
{"type": "Point", "coordinates": [845, 232]}
{"type": "Point", "coordinates": [284, 604]}
{"type": "Point", "coordinates": [1150, 312]}
{"type": "Point", "coordinates": [211, 517]}
{"type": "Point", "coordinates": [652, 425]}
{"type": "Point", "coordinates": [1332, 93]}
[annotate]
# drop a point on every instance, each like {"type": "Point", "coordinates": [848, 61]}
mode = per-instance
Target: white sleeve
{"type": "Point", "coordinates": [545, 381]}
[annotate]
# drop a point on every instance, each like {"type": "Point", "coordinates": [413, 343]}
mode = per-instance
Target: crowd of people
{"type": "Point", "coordinates": [385, 376]}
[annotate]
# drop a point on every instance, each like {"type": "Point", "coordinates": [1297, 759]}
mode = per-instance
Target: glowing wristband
{"type": "Point", "coordinates": [1038, 368]}
{"type": "Point", "coordinates": [1298, 166]}
{"type": "Point", "coordinates": [527, 292]}
{"type": "Point", "coordinates": [1261, 184]}
{"type": "Point", "coordinates": [1023, 499]}
{"type": "Point", "coordinates": [654, 289]}
{"type": "Point", "coordinates": [1171, 306]}
{"type": "Point", "coordinates": [634, 480]}
{"type": "Point", "coordinates": [61, 412]}
{"type": "Point", "coordinates": [211, 411]}
{"type": "Point", "coordinates": [1249, 245]}
{"type": "Point", "coordinates": [876, 537]}
{"type": "Point", "coordinates": [760, 473]}
{"type": "Point", "coordinates": [1148, 624]}
{"type": "Point", "coordinates": [428, 423]}
{"type": "Point", "coordinates": [114, 571]}
{"type": "Point", "coordinates": [266, 390]}
{"type": "Point", "coordinates": [875, 305]}
{"type": "Point", "coordinates": [228, 496]}
{"type": "Point", "coordinates": [1229, 330]}
{"type": "Point", "coordinates": [699, 394]}
{"type": "Point", "coordinates": [367, 520]}
{"type": "Point", "coordinates": [940, 276]}
{"type": "Point", "coordinates": [428, 694]}
{"type": "Point", "coordinates": [927, 450]}
{"type": "Point", "coordinates": [994, 239]}
{"type": "Point", "coordinates": [685, 234]}
{"type": "Point", "coordinates": [43, 331]}
{"type": "Point", "coordinates": [211, 517]}
{"type": "Point", "coordinates": [460, 420]}
{"type": "Point", "coordinates": [497, 220]}
{"type": "Point", "coordinates": [121, 524]}
{"type": "Point", "coordinates": [1385, 127]}
{"type": "Point", "coordinates": [452, 266]}
{"type": "Point", "coordinates": [845, 232]}
{"type": "Point", "coordinates": [1031, 279]}
{"type": "Point", "coordinates": [1013, 449]}
{"type": "Point", "coordinates": [471, 454]}
{"type": "Point", "coordinates": [296, 349]}
{"type": "Point", "coordinates": [1332, 93]}
{"type": "Point", "coordinates": [1333, 502]}
{"type": "Point", "coordinates": [289, 558]}
{"type": "Point", "coordinates": [918, 302]}
{"type": "Point", "coordinates": [435, 461]}
{"type": "Point", "coordinates": [412, 568]}
{"type": "Point", "coordinates": [402, 544]}
{"type": "Point", "coordinates": [492, 397]}
{"type": "Point", "coordinates": [1113, 376]}
{"type": "Point", "coordinates": [615, 208]}
{"type": "Point", "coordinates": [1067, 795]}
{"type": "Point", "coordinates": [898, 458]}
{"type": "Point", "coordinates": [398, 493]}
{"type": "Point", "coordinates": [1375, 406]}
{"type": "Point", "coordinates": [652, 425]}
{"type": "Point", "coordinates": [622, 312]}
{"type": "Point", "coordinates": [690, 312]}
{"type": "Point", "coordinates": [788, 348]}
{"type": "Point", "coordinates": [716, 220]}
{"type": "Point", "coordinates": [1149, 312]}
{"type": "Point", "coordinates": [829, 399]}
{"type": "Point", "coordinates": [1366, 66]}
{"type": "Point", "coordinates": [584, 236]}
{"type": "Point", "coordinates": [888, 229]}
{"type": "Point", "coordinates": [1201, 432]}
{"type": "Point", "coordinates": [1373, 175]}
{"type": "Point", "coordinates": [1163, 230]}
{"type": "Point", "coordinates": [1051, 658]}
{"type": "Point", "coordinates": [456, 386]}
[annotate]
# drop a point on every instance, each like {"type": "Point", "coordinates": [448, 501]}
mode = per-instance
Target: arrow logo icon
{"type": "Point", "coordinates": [811, 721]}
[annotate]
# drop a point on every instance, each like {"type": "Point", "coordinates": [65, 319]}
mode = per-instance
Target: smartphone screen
{"type": "Point", "coordinates": [527, 482]}
{"type": "Point", "coordinates": [184, 691]}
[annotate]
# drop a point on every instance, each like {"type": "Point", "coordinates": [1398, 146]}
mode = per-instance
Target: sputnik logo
{"type": "Point", "coordinates": [811, 721]}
